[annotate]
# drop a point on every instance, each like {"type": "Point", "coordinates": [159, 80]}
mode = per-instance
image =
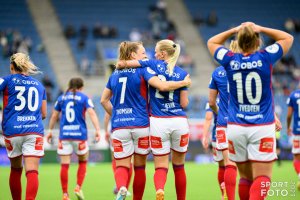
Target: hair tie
{"type": "Point", "coordinates": [174, 45]}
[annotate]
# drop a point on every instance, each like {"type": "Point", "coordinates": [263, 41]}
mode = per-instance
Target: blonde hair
{"type": "Point", "coordinates": [248, 39]}
{"type": "Point", "coordinates": [234, 47]}
{"type": "Point", "coordinates": [126, 48]}
{"type": "Point", "coordinates": [173, 51]}
{"type": "Point", "coordinates": [22, 63]}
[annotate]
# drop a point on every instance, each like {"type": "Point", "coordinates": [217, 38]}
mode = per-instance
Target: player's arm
{"type": "Point", "coordinates": [218, 40]}
{"type": "Point", "coordinates": [184, 100]}
{"type": "Point", "coordinates": [212, 100]}
{"type": "Point", "coordinates": [169, 85]}
{"type": "Point", "coordinates": [121, 64]}
{"type": "Point", "coordinates": [206, 126]}
{"type": "Point", "coordinates": [106, 122]}
{"type": "Point", "coordinates": [52, 122]}
{"type": "Point", "coordinates": [95, 122]}
{"type": "Point", "coordinates": [44, 109]}
{"type": "Point", "coordinates": [283, 38]}
{"type": "Point", "coordinates": [105, 100]}
{"type": "Point", "coordinates": [278, 125]}
{"type": "Point", "coordinates": [289, 119]}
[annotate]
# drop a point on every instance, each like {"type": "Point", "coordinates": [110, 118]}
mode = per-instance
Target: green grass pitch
{"type": "Point", "coordinates": [99, 182]}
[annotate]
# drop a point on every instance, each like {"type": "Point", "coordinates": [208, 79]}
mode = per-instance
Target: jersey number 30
{"type": "Point", "coordinates": [32, 98]}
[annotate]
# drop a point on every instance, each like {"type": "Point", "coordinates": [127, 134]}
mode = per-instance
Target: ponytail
{"type": "Point", "coordinates": [173, 51]}
{"type": "Point", "coordinates": [23, 64]}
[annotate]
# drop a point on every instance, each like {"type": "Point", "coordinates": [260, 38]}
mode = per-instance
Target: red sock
{"type": "Point", "coordinates": [129, 175]}
{"type": "Point", "coordinates": [64, 177]}
{"type": "Point", "coordinates": [113, 165]}
{"type": "Point", "coordinates": [32, 184]}
{"type": "Point", "coordinates": [180, 181]}
{"type": "Point", "coordinates": [15, 183]}
{"type": "Point", "coordinates": [139, 182]}
{"type": "Point", "coordinates": [259, 188]}
{"type": "Point", "coordinates": [244, 187]}
{"type": "Point", "coordinates": [121, 176]}
{"type": "Point", "coordinates": [81, 172]}
{"type": "Point", "coordinates": [160, 178]}
{"type": "Point", "coordinates": [221, 172]}
{"type": "Point", "coordinates": [230, 181]}
{"type": "Point", "coordinates": [297, 166]}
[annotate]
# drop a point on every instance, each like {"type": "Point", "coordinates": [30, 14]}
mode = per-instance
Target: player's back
{"type": "Point", "coordinates": [130, 98]}
{"type": "Point", "coordinates": [73, 106]}
{"type": "Point", "coordinates": [22, 102]}
{"type": "Point", "coordinates": [293, 101]}
{"type": "Point", "coordinates": [249, 77]}
{"type": "Point", "coordinates": [165, 103]}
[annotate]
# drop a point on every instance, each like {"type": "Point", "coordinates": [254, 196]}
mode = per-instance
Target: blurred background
{"type": "Point", "coordinates": [68, 38]}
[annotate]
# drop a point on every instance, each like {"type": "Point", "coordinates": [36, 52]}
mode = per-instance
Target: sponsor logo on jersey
{"type": "Point", "coordinates": [24, 82]}
{"type": "Point", "coordinates": [150, 71]}
{"type": "Point", "coordinates": [222, 73]}
{"type": "Point", "coordinates": [160, 68]}
{"type": "Point", "coordinates": [235, 65]}
{"type": "Point", "coordinates": [273, 48]}
{"type": "Point", "coordinates": [221, 53]}
{"type": "Point", "coordinates": [266, 145]}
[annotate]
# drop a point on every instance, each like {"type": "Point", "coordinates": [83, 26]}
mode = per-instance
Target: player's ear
{"type": "Point", "coordinates": [133, 55]}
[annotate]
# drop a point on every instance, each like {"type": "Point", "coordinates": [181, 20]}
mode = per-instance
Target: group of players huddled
{"type": "Point", "coordinates": [145, 100]}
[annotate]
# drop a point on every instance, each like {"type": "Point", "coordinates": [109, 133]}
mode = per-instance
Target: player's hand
{"type": "Point", "coordinates": [289, 132]}
{"type": "Point", "coordinates": [187, 80]}
{"type": "Point", "coordinates": [121, 64]}
{"type": "Point", "coordinates": [107, 136]}
{"type": "Point", "coordinates": [97, 136]}
{"type": "Point", "coordinates": [278, 125]}
{"type": "Point", "coordinates": [49, 137]}
{"type": "Point", "coordinates": [205, 143]}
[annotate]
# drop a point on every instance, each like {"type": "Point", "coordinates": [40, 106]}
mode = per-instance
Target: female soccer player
{"type": "Point", "coordinates": [218, 88]}
{"type": "Point", "coordinates": [293, 112]}
{"type": "Point", "coordinates": [217, 155]}
{"type": "Point", "coordinates": [251, 121]}
{"type": "Point", "coordinates": [24, 107]}
{"type": "Point", "coordinates": [73, 132]}
{"type": "Point", "coordinates": [169, 129]}
{"type": "Point", "coordinates": [127, 90]}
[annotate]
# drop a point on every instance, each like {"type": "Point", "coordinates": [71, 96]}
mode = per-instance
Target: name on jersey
{"type": "Point", "coordinates": [71, 127]}
{"type": "Point", "coordinates": [70, 96]}
{"type": "Point", "coordinates": [169, 105]}
{"type": "Point", "coordinates": [24, 82]}
{"type": "Point", "coordinates": [236, 65]}
{"type": "Point", "coordinates": [124, 111]}
{"type": "Point", "coordinates": [26, 118]}
{"type": "Point", "coordinates": [129, 70]}
{"type": "Point", "coordinates": [249, 108]}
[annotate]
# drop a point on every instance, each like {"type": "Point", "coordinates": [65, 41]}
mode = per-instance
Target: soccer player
{"type": "Point", "coordinates": [169, 129]}
{"type": "Point", "coordinates": [251, 121]}
{"type": "Point", "coordinates": [73, 105]}
{"type": "Point", "coordinates": [217, 155]}
{"type": "Point", "coordinates": [218, 88]}
{"type": "Point", "coordinates": [127, 90]}
{"type": "Point", "coordinates": [24, 107]}
{"type": "Point", "coordinates": [293, 112]}
{"type": "Point", "coordinates": [107, 128]}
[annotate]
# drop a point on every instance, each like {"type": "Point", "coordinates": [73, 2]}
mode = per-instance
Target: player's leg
{"type": "Point", "coordinates": [82, 151]}
{"type": "Point", "coordinates": [64, 151]}
{"type": "Point", "coordinates": [15, 177]}
{"type": "Point", "coordinates": [230, 167]}
{"type": "Point", "coordinates": [14, 152]}
{"type": "Point", "coordinates": [31, 167]}
{"type": "Point", "coordinates": [296, 161]}
{"type": "Point", "coordinates": [123, 151]}
{"type": "Point", "coordinates": [262, 153]}
{"type": "Point", "coordinates": [179, 146]}
{"type": "Point", "coordinates": [218, 157]}
{"type": "Point", "coordinates": [32, 149]}
{"type": "Point", "coordinates": [141, 150]}
{"type": "Point", "coordinates": [246, 178]}
{"type": "Point", "coordinates": [160, 146]}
